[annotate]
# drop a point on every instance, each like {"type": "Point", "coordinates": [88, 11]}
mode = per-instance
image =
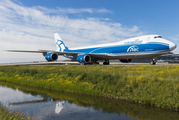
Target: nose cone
{"type": "Point", "coordinates": [172, 46]}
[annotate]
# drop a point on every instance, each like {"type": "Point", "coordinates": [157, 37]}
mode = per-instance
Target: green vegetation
{"type": "Point", "coordinates": [105, 105]}
{"type": "Point", "coordinates": [10, 115]}
{"type": "Point", "coordinates": [152, 85]}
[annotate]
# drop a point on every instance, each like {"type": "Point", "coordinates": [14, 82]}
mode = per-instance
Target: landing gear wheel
{"type": "Point", "coordinates": [106, 63]}
{"type": "Point", "coordinates": [153, 62]}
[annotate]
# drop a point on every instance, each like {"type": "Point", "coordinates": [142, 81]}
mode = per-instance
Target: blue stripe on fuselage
{"type": "Point", "coordinates": [149, 47]}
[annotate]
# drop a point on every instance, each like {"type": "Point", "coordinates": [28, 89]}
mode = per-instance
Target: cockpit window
{"type": "Point", "coordinates": [157, 37]}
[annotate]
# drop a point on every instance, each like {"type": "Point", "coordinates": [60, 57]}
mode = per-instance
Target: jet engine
{"type": "Point", "coordinates": [125, 60]}
{"type": "Point", "coordinates": [84, 58]}
{"type": "Point", "coordinates": [51, 56]}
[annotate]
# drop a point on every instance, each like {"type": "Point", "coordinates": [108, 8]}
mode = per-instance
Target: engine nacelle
{"type": "Point", "coordinates": [126, 60]}
{"type": "Point", "coordinates": [84, 58]}
{"type": "Point", "coordinates": [51, 56]}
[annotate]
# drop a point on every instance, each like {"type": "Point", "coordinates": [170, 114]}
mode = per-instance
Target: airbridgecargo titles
{"type": "Point", "coordinates": [148, 46]}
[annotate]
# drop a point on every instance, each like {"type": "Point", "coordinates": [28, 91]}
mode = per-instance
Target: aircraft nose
{"type": "Point", "coordinates": [172, 46]}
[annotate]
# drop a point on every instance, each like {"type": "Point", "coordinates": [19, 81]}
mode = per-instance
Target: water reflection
{"type": "Point", "coordinates": [58, 107]}
{"type": "Point", "coordinates": [14, 95]}
{"type": "Point", "coordinates": [61, 105]}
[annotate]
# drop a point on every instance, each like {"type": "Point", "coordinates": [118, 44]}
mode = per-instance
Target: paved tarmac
{"type": "Point", "coordinates": [77, 63]}
{"type": "Point", "coordinates": [43, 63]}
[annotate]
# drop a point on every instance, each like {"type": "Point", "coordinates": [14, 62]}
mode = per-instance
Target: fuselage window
{"type": "Point", "coordinates": [157, 37]}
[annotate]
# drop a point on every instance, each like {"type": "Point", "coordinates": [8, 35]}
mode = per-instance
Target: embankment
{"type": "Point", "coordinates": [5, 114]}
{"type": "Point", "coordinates": [151, 85]}
{"type": "Point", "coordinates": [105, 105]}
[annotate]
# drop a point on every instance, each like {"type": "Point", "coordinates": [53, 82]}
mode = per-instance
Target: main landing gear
{"type": "Point", "coordinates": [153, 62]}
{"type": "Point", "coordinates": [106, 62]}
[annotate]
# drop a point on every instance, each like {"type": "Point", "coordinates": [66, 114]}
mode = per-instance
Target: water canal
{"type": "Point", "coordinates": [45, 104]}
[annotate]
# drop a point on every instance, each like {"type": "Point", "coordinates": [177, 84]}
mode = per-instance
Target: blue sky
{"type": "Point", "coordinates": [30, 24]}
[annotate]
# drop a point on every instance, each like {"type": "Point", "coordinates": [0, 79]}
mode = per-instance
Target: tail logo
{"type": "Point", "coordinates": [61, 46]}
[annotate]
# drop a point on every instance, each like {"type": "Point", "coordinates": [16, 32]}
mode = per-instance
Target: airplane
{"type": "Point", "coordinates": [147, 46]}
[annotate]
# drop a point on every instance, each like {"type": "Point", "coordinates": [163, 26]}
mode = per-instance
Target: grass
{"type": "Point", "coordinates": [5, 114]}
{"type": "Point", "coordinates": [152, 85]}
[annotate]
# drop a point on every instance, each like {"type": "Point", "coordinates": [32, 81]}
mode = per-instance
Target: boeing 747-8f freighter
{"type": "Point", "coordinates": [148, 46]}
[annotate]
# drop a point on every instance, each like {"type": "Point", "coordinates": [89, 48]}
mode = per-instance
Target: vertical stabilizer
{"type": "Point", "coordinates": [59, 43]}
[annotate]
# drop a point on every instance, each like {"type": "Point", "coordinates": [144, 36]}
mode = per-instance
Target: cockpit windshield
{"type": "Point", "coordinates": [157, 37]}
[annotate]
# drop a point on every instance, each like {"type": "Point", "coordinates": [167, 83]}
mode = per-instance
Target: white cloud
{"type": "Point", "coordinates": [33, 27]}
{"type": "Point", "coordinates": [71, 10]}
{"type": "Point", "coordinates": [174, 38]}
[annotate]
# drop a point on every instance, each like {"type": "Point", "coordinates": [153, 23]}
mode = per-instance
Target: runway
{"type": "Point", "coordinates": [43, 63]}
{"type": "Point", "coordinates": [112, 63]}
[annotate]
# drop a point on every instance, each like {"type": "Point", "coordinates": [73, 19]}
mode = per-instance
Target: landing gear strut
{"type": "Point", "coordinates": [106, 62]}
{"type": "Point", "coordinates": [153, 62]}
{"type": "Point", "coordinates": [96, 62]}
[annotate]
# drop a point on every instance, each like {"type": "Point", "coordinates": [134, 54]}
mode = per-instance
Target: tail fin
{"type": "Point", "coordinates": [59, 43]}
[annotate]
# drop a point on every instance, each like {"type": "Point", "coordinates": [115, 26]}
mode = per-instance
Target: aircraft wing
{"type": "Point", "coordinates": [39, 51]}
{"type": "Point", "coordinates": [60, 53]}
{"type": "Point", "coordinates": [43, 51]}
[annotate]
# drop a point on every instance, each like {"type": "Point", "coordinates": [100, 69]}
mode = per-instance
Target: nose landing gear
{"type": "Point", "coordinates": [106, 62]}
